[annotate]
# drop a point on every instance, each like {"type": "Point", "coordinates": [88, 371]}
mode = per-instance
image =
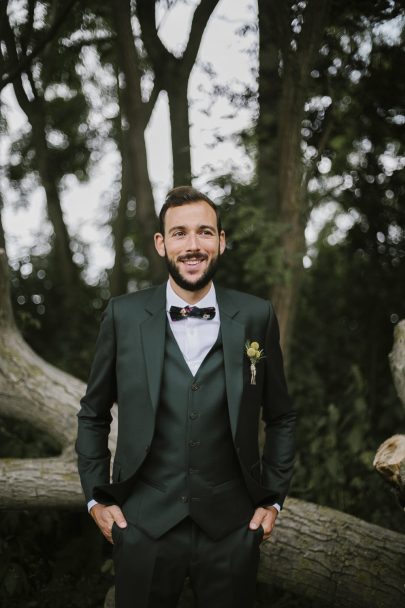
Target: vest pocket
{"type": "Point", "coordinates": [153, 484]}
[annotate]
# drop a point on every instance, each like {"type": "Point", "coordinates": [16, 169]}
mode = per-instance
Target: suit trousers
{"type": "Point", "coordinates": [150, 573]}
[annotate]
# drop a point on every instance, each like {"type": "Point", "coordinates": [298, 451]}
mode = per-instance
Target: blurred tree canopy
{"type": "Point", "coordinates": [319, 228]}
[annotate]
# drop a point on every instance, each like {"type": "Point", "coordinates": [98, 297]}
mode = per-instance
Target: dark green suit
{"type": "Point", "coordinates": [128, 368]}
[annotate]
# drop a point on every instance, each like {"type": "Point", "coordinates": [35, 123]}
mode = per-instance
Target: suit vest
{"type": "Point", "coordinates": [192, 468]}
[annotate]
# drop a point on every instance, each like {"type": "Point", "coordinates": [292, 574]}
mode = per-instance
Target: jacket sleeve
{"type": "Point", "coordinates": [279, 418]}
{"type": "Point", "coordinates": [94, 417]}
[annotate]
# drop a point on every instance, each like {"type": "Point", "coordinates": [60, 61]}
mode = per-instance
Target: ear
{"type": "Point", "coordinates": [160, 244]}
{"type": "Point", "coordinates": [222, 242]}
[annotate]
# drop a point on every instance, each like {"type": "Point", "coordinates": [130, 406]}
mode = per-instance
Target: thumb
{"type": "Point", "coordinates": [120, 520]}
{"type": "Point", "coordinates": [255, 523]}
{"type": "Point", "coordinates": [118, 517]}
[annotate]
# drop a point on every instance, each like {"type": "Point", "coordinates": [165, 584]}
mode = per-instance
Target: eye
{"type": "Point", "coordinates": [207, 232]}
{"type": "Point", "coordinates": [178, 233]}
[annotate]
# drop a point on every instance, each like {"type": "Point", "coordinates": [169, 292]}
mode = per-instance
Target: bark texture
{"type": "Point", "coordinates": [334, 558]}
{"type": "Point", "coordinates": [397, 360]}
{"type": "Point", "coordinates": [390, 463]}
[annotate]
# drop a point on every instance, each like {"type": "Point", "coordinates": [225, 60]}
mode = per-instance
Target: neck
{"type": "Point", "coordinates": [191, 297]}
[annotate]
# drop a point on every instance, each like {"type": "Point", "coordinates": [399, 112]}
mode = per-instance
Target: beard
{"type": "Point", "coordinates": [199, 283]}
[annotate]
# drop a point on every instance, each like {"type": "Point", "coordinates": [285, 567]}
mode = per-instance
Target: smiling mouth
{"type": "Point", "coordinates": [191, 261]}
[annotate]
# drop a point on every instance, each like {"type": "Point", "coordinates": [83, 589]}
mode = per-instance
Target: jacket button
{"type": "Point", "coordinates": [195, 386]}
{"type": "Point", "coordinates": [184, 499]}
{"type": "Point", "coordinates": [193, 415]}
{"type": "Point", "coordinates": [194, 444]}
{"type": "Point", "coordinates": [147, 448]}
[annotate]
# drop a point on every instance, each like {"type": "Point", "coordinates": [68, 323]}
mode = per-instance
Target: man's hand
{"type": "Point", "coordinates": [266, 516]}
{"type": "Point", "coordinates": [105, 517]}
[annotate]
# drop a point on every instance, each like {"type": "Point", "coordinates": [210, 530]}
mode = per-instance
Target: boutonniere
{"type": "Point", "coordinates": [255, 353]}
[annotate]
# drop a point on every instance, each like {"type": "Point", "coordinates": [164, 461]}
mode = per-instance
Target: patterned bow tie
{"type": "Point", "coordinates": [177, 313]}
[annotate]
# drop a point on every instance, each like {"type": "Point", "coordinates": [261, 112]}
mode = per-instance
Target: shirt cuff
{"type": "Point", "coordinates": [275, 505]}
{"type": "Point", "coordinates": [91, 504]}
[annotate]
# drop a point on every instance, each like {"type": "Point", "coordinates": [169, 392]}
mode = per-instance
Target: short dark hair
{"type": "Point", "coordinates": [183, 195]}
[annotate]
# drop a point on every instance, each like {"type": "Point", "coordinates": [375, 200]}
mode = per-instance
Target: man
{"type": "Point", "coordinates": [190, 365]}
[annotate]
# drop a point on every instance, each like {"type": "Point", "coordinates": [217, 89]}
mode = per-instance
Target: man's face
{"type": "Point", "coordinates": [191, 244]}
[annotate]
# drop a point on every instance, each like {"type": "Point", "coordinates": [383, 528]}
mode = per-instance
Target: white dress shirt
{"type": "Point", "coordinates": [194, 336]}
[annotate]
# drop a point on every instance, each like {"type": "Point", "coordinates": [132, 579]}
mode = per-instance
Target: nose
{"type": "Point", "coordinates": [192, 242]}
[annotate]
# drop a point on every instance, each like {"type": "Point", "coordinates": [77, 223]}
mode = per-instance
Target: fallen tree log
{"type": "Point", "coordinates": [334, 558]}
{"type": "Point", "coordinates": [390, 463]}
{"type": "Point", "coordinates": [389, 460]}
{"type": "Point", "coordinates": [317, 552]}
{"type": "Point", "coordinates": [397, 360]}
{"type": "Point", "coordinates": [46, 398]}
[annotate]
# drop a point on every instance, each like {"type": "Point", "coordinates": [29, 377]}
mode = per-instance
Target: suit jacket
{"type": "Point", "coordinates": [127, 369]}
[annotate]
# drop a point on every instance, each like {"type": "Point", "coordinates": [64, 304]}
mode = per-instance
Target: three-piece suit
{"type": "Point", "coordinates": [187, 467]}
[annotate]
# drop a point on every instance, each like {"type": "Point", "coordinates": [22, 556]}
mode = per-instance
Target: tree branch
{"type": "Point", "coordinates": [156, 50]}
{"type": "Point", "coordinates": [201, 17]}
{"type": "Point", "coordinates": [23, 64]}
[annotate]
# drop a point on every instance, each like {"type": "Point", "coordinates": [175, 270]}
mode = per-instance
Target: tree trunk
{"type": "Point", "coordinates": [172, 74]}
{"type": "Point", "coordinates": [34, 110]}
{"type": "Point", "coordinates": [134, 113]}
{"type": "Point", "coordinates": [69, 272]}
{"type": "Point", "coordinates": [180, 130]}
{"type": "Point", "coordinates": [2, 235]}
{"type": "Point", "coordinates": [118, 277]}
{"type": "Point", "coordinates": [285, 65]}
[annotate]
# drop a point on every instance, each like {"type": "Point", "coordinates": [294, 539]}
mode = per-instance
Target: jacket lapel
{"type": "Point", "coordinates": [153, 334]}
{"type": "Point", "coordinates": [233, 341]}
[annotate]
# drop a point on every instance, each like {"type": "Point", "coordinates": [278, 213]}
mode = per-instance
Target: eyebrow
{"type": "Point", "coordinates": [201, 227]}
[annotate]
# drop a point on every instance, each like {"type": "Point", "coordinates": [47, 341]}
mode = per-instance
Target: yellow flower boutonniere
{"type": "Point", "coordinates": [255, 353]}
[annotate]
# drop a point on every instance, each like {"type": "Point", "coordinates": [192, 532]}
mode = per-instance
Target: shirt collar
{"type": "Point", "coordinates": [172, 299]}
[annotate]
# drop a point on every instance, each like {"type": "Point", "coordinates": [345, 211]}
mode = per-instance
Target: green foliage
{"type": "Point", "coordinates": [62, 332]}
{"type": "Point", "coordinates": [341, 382]}
{"type": "Point", "coordinates": [252, 240]}
{"type": "Point", "coordinates": [51, 559]}
{"type": "Point", "coordinates": [20, 440]}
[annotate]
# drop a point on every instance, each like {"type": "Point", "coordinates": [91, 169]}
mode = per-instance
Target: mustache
{"type": "Point", "coordinates": [192, 256]}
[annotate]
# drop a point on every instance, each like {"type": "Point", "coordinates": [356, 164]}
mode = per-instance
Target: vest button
{"type": "Point", "coordinates": [184, 499]}
{"type": "Point", "coordinates": [195, 386]}
{"type": "Point", "coordinates": [194, 415]}
{"type": "Point", "coordinates": [193, 444]}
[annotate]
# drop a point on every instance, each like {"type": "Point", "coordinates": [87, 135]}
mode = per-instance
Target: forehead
{"type": "Point", "coordinates": [191, 214]}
